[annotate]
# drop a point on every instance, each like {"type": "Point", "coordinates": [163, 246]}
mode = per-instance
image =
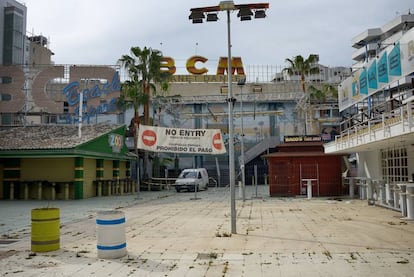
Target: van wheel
{"type": "Point", "coordinates": [177, 189]}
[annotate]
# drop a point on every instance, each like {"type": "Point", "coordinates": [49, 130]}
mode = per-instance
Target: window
{"type": "Point", "coordinates": [5, 97]}
{"type": "Point", "coordinates": [325, 113]}
{"type": "Point", "coordinates": [394, 165]}
{"type": "Point", "coordinates": [6, 119]}
{"type": "Point", "coordinates": [5, 80]}
{"type": "Point", "coordinates": [65, 107]}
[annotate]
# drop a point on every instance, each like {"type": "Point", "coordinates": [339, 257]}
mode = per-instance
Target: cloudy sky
{"type": "Point", "coordinates": [101, 31]}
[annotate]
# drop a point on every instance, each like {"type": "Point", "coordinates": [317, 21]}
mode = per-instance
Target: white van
{"type": "Point", "coordinates": [191, 179]}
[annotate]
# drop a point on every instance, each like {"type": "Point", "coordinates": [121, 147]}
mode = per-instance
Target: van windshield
{"type": "Point", "coordinates": [188, 174]}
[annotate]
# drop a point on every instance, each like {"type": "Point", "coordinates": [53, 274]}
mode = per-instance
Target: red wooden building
{"type": "Point", "coordinates": [295, 163]}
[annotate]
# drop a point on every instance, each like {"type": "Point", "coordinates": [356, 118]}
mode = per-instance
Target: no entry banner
{"type": "Point", "coordinates": [177, 140]}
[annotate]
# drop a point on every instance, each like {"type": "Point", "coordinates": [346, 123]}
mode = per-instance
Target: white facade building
{"type": "Point", "coordinates": [377, 104]}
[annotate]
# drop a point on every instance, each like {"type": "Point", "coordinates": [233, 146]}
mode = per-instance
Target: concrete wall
{"type": "Point", "coordinates": [1, 181]}
{"type": "Point", "coordinates": [369, 164]}
{"type": "Point", "coordinates": [122, 170]}
{"type": "Point", "coordinates": [40, 55]}
{"type": "Point", "coordinates": [53, 169]}
{"type": "Point", "coordinates": [89, 175]}
{"type": "Point", "coordinates": [108, 169]}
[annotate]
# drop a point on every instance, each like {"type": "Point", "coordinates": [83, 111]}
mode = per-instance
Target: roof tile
{"type": "Point", "coordinates": [50, 136]}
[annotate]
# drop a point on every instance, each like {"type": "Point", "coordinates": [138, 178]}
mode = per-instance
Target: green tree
{"type": "Point", "coordinates": [132, 96]}
{"type": "Point", "coordinates": [301, 67]}
{"type": "Point", "coordinates": [327, 92]}
{"type": "Point", "coordinates": [144, 69]}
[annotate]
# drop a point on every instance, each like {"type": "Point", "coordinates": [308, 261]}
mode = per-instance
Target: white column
{"type": "Point", "coordinates": [39, 191]}
{"type": "Point", "coordinates": [382, 192]}
{"type": "Point", "coordinates": [109, 184]}
{"type": "Point", "coordinates": [99, 188]}
{"type": "Point", "coordinates": [403, 198]}
{"type": "Point", "coordinates": [351, 187]}
{"type": "Point", "coordinates": [11, 191]}
{"type": "Point", "coordinates": [396, 197]}
{"type": "Point", "coordinates": [309, 189]}
{"type": "Point", "coordinates": [53, 192]}
{"type": "Point", "coordinates": [121, 186]}
{"type": "Point", "coordinates": [388, 195]}
{"type": "Point", "coordinates": [26, 191]}
{"type": "Point", "coordinates": [410, 201]}
{"type": "Point", "coordinates": [66, 189]}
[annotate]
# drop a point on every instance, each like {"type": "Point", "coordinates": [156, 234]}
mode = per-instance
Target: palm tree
{"type": "Point", "coordinates": [143, 66]}
{"type": "Point", "coordinates": [320, 95]}
{"type": "Point", "coordinates": [326, 94]}
{"type": "Point", "coordinates": [144, 69]}
{"type": "Point", "coordinates": [299, 66]}
{"type": "Point", "coordinates": [132, 96]}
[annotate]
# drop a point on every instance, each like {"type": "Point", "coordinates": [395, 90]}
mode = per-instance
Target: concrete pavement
{"type": "Point", "coordinates": [168, 234]}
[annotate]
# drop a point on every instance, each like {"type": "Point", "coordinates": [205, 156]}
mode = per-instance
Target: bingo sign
{"type": "Point", "coordinates": [116, 142]}
{"type": "Point", "coordinates": [177, 140]}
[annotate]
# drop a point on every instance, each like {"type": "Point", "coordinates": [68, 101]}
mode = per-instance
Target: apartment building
{"type": "Point", "coordinates": [376, 103]}
{"type": "Point", "coordinates": [12, 32]}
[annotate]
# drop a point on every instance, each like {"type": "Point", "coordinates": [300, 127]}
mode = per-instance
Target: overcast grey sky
{"type": "Point", "coordinates": [101, 31]}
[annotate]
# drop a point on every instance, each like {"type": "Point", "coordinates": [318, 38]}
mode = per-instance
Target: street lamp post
{"type": "Point", "coordinates": [244, 12]}
{"type": "Point", "coordinates": [230, 101]}
{"type": "Point", "coordinates": [137, 161]}
{"type": "Point", "coordinates": [241, 83]}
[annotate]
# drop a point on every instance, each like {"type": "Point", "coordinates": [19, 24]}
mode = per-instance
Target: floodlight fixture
{"type": "Point", "coordinates": [197, 20]}
{"type": "Point", "coordinates": [245, 13]}
{"type": "Point", "coordinates": [259, 14]}
{"type": "Point", "coordinates": [196, 16]}
{"type": "Point", "coordinates": [211, 17]}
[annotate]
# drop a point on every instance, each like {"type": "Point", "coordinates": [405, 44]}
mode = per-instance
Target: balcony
{"type": "Point", "coordinates": [384, 130]}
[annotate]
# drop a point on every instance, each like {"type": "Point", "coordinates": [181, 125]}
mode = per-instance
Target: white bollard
{"type": "Point", "coordinates": [240, 189]}
{"type": "Point", "coordinates": [111, 234]}
{"type": "Point", "coordinates": [309, 189]}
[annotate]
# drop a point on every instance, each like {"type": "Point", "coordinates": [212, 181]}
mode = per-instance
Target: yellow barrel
{"type": "Point", "coordinates": [45, 229]}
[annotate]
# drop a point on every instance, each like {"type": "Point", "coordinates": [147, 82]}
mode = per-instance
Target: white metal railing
{"type": "Point", "coordinates": [259, 97]}
{"type": "Point", "coordinates": [377, 127]}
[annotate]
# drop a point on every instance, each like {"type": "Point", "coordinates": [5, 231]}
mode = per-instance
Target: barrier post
{"type": "Point", "coordinates": [111, 238]}
{"type": "Point", "coordinates": [45, 229]}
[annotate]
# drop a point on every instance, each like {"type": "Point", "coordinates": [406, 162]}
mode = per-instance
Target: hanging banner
{"type": "Point", "coordinates": [363, 82]}
{"type": "Point", "coordinates": [392, 64]}
{"type": "Point", "coordinates": [177, 140]}
{"type": "Point", "coordinates": [383, 68]}
{"type": "Point", "coordinates": [372, 76]}
{"type": "Point", "coordinates": [394, 61]}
